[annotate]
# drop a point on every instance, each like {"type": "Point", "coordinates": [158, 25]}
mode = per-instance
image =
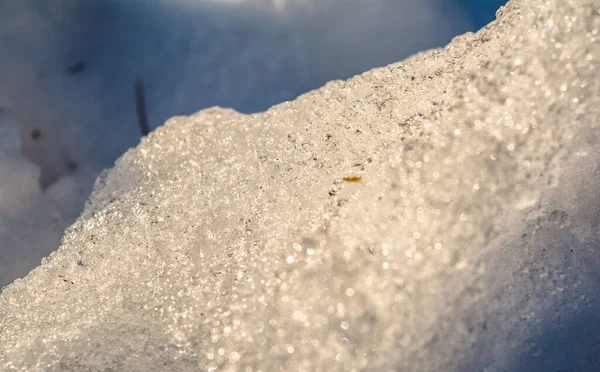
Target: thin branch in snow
{"type": "Point", "coordinates": [140, 104]}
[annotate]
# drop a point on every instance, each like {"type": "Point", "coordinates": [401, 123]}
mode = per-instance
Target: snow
{"type": "Point", "coordinates": [440, 213]}
{"type": "Point", "coordinates": [68, 72]}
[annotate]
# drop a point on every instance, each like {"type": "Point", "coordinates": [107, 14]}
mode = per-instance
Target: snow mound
{"type": "Point", "coordinates": [437, 214]}
{"type": "Point", "coordinates": [68, 71]}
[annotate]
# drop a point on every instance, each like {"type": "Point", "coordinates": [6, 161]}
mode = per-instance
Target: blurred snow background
{"type": "Point", "coordinates": [67, 71]}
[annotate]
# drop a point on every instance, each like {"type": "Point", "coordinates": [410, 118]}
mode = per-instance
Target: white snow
{"type": "Point", "coordinates": [67, 72]}
{"type": "Point", "coordinates": [437, 214]}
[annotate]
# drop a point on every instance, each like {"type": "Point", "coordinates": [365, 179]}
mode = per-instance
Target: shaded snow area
{"type": "Point", "coordinates": [437, 214]}
{"type": "Point", "coordinates": [68, 71]}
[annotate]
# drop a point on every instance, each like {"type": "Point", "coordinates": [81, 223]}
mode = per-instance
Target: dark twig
{"type": "Point", "coordinates": [140, 105]}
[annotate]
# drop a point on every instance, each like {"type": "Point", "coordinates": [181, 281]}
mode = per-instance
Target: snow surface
{"type": "Point", "coordinates": [438, 214]}
{"type": "Point", "coordinates": [68, 69]}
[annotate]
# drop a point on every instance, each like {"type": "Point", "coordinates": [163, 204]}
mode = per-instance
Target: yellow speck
{"type": "Point", "coordinates": [352, 179]}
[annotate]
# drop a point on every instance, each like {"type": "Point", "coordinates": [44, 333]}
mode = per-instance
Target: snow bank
{"type": "Point", "coordinates": [436, 214]}
{"type": "Point", "coordinates": [68, 70]}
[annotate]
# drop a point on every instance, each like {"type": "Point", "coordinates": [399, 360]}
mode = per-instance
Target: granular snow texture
{"type": "Point", "coordinates": [437, 214]}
